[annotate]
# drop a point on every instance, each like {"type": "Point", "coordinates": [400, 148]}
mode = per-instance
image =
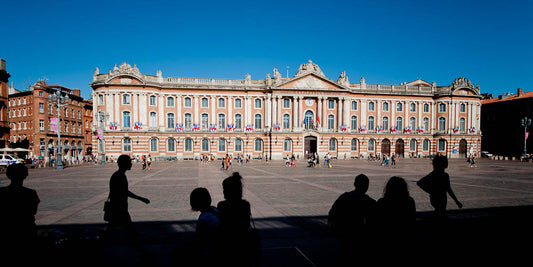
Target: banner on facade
{"type": "Point", "coordinates": [53, 124]}
{"type": "Point", "coordinates": [100, 134]}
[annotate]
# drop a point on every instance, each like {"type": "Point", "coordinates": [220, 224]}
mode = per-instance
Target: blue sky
{"type": "Point", "coordinates": [387, 42]}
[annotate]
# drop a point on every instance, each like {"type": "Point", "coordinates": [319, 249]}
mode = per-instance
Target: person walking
{"type": "Point", "coordinates": [437, 185]}
{"type": "Point", "coordinates": [149, 162]}
{"type": "Point", "coordinates": [118, 196]}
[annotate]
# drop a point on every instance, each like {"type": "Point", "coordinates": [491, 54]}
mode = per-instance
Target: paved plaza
{"type": "Point", "coordinates": [289, 204]}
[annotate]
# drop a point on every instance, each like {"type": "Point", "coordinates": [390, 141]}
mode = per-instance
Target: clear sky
{"type": "Point", "coordinates": [387, 42]}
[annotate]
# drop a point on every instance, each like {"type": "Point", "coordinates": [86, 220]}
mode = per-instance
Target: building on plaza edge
{"type": "Point", "coordinates": [174, 117]}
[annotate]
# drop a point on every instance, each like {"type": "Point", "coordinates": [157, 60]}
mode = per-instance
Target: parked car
{"type": "Point", "coordinates": [8, 159]}
{"type": "Point", "coordinates": [486, 154]}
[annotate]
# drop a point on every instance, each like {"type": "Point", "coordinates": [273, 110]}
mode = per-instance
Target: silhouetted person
{"type": "Point", "coordinates": [348, 218]}
{"type": "Point", "coordinates": [17, 214]}
{"type": "Point", "coordinates": [395, 217]}
{"type": "Point", "coordinates": [437, 184]}
{"type": "Point", "coordinates": [205, 249]}
{"type": "Point", "coordinates": [118, 194]}
{"type": "Point", "coordinates": [235, 221]}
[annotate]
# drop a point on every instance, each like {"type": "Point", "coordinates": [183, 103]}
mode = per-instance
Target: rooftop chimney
{"type": "Point", "coordinates": [519, 92]}
{"type": "Point", "coordinates": [2, 64]}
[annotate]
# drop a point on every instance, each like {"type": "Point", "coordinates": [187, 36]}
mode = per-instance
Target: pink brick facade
{"type": "Point", "coordinates": [275, 117]}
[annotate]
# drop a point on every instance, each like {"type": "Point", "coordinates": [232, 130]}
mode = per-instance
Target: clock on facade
{"type": "Point", "coordinates": [309, 102]}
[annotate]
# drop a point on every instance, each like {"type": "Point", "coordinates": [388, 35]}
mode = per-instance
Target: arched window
{"type": "Point", "coordinates": [153, 145]}
{"type": "Point", "coordinates": [205, 144]}
{"type": "Point", "coordinates": [170, 120]}
{"type": "Point", "coordinates": [221, 121]}
{"type": "Point", "coordinates": [238, 121]}
{"type": "Point", "coordinates": [354, 105]}
{"type": "Point", "coordinates": [126, 145]}
{"type": "Point", "coordinates": [170, 101]}
{"type": "Point", "coordinates": [371, 144]}
{"type": "Point", "coordinates": [353, 145]}
{"type": "Point", "coordinates": [331, 122]}
{"type": "Point", "coordinates": [463, 107]}
{"type": "Point", "coordinates": [425, 145]}
{"type": "Point", "coordinates": [399, 123]}
{"type": "Point", "coordinates": [187, 120]}
{"type": "Point", "coordinates": [258, 121]}
{"type": "Point", "coordinates": [413, 107]}
{"type": "Point", "coordinates": [442, 124]}
{"type": "Point", "coordinates": [221, 144]}
{"type": "Point", "coordinates": [412, 145]}
{"type": "Point", "coordinates": [412, 123]}
{"type": "Point", "coordinates": [204, 102]}
{"type": "Point", "coordinates": [371, 125]}
{"type": "Point", "coordinates": [204, 124]}
{"type": "Point", "coordinates": [257, 103]}
{"type": "Point", "coordinates": [353, 123]}
{"type": "Point", "coordinates": [399, 106]}
{"type": "Point", "coordinates": [371, 106]}
{"type": "Point", "coordinates": [221, 102]}
{"type": "Point", "coordinates": [287, 145]}
{"type": "Point", "coordinates": [286, 121]}
{"type": "Point", "coordinates": [332, 144]}
{"type": "Point", "coordinates": [309, 119]}
{"type": "Point", "coordinates": [258, 145]}
{"type": "Point", "coordinates": [462, 124]}
{"type": "Point", "coordinates": [153, 101]}
{"type": "Point", "coordinates": [385, 123]}
{"type": "Point", "coordinates": [187, 102]}
{"type": "Point", "coordinates": [238, 103]}
{"type": "Point", "coordinates": [442, 107]}
{"type": "Point", "coordinates": [385, 106]}
{"type": "Point", "coordinates": [238, 145]}
{"type": "Point", "coordinates": [171, 147]}
{"type": "Point", "coordinates": [188, 144]}
{"type": "Point", "coordinates": [126, 119]}
{"type": "Point", "coordinates": [426, 124]}
{"type": "Point", "coordinates": [442, 145]}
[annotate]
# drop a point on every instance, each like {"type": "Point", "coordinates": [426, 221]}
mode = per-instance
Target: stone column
{"type": "Point", "coordinates": [196, 115]}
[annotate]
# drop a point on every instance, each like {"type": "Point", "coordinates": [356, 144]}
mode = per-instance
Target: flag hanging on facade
{"type": "Point", "coordinates": [138, 126]}
{"type": "Point", "coordinates": [318, 119]}
{"type": "Point", "coordinates": [249, 127]}
{"type": "Point", "coordinates": [195, 127]}
{"type": "Point", "coordinates": [113, 126]}
{"type": "Point", "coordinates": [179, 127]}
{"type": "Point", "coordinates": [53, 124]}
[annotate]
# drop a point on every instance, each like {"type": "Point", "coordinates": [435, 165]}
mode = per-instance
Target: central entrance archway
{"type": "Point", "coordinates": [399, 148]}
{"type": "Point", "coordinates": [310, 144]}
{"type": "Point", "coordinates": [385, 146]}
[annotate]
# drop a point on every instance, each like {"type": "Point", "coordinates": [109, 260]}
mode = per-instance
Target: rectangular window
{"type": "Point", "coordinates": [41, 125]}
{"type": "Point", "coordinates": [41, 107]}
{"type": "Point", "coordinates": [286, 103]}
{"type": "Point", "coordinates": [331, 104]}
{"type": "Point", "coordinates": [100, 99]}
{"type": "Point", "coordinates": [126, 100]}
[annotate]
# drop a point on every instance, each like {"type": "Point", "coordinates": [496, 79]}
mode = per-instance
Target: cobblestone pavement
{"type": "Point", "coordinates": [289, 204]}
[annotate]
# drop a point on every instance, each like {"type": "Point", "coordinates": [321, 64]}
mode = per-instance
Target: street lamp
{"type": "Point", "coordinates": [101, 118]}
{"type": "Point", "coordinates": [58, 100]}
{"type": "Point", "coordinates": [525, 123]}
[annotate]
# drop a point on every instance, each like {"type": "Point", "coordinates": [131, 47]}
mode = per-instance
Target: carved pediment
{"type": "Point", "coordinates": [463, 83]}
{"type": "Point", "coordinates": [310, 81]}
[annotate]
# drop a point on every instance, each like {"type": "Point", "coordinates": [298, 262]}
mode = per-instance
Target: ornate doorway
{"type": "Point", "coordinates": [399, 148]}
{"type": "Point", "coordinates": [310, 144]}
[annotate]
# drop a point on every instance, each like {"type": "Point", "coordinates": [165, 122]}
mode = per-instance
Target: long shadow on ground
{"type": "Point", "coordinates": [488, 235]}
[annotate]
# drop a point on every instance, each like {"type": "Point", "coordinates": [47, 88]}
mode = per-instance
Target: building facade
{"type": "Point", "coordinates": [4, 120]}
{"type": "Point", "coordinates": [189, 117]}
{"type": "Point", "coordinates": [30, 113]}
{"type": "Point", "coordinates": [501, 123]}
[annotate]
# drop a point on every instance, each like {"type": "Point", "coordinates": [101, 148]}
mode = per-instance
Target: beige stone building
{"type": "Point", "coordinates": [175, 117]}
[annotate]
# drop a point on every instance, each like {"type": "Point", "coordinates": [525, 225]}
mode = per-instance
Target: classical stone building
{"type": "Point", "coordinates": [188, 117]}
{"type": "Point", "coordinates": [30, 112]}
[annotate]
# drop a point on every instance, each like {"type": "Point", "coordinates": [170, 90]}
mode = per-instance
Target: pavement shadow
{"type": "Point", "coordinates": [487, 235]}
